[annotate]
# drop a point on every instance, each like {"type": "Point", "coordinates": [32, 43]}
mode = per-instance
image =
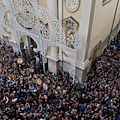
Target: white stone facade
{"type": "Point", "coordinates": [42, 20]}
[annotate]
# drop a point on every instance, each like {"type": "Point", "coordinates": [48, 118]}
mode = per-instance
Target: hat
{"type": "Point", "coordinates": [21, 104]}
{"type": "Point", "coordinates": [45, 86]}
{"type": "Point", "coordinates": [35, 111]}
{"type": "Point", "coordinates": [14, 91]}
{"type": "Point", "coordinates": [47, 116]}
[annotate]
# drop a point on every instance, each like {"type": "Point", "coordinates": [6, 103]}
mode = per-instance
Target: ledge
{"type": "Point", "coordinates": [82, 65]}
{"type": "Point", "coordinates": [79, 64]}
{"type": "Point", "coordinates": [105, 2]}
{"type": "Point", "coordinates": [52, 58]}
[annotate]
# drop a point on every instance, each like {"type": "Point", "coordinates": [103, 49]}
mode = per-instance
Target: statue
{"type": "Point", "coordinates": [70, 39]}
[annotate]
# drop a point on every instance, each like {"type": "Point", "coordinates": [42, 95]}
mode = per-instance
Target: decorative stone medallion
{"type": "Point", "coordinates": [72, 5]}
{"type": "Point", "coordinates": [25, 13]}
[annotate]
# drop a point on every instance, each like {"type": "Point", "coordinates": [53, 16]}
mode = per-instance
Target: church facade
{"type": "Point", "coordinates": [69, 34]}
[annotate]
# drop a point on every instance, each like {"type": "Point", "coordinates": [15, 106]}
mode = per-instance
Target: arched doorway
{"type": "Point", "coordinates": [28, 47]}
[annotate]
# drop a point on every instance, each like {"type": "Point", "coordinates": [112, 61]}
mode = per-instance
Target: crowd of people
{"type": "Point", "coordinates": [23, 98]}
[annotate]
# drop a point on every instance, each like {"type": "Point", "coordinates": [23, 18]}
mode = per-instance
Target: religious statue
{"type": "Point", "coordinates": [69, 39]}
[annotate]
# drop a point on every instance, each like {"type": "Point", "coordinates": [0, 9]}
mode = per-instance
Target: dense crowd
{"type": "Point", "coordinates": [22, 98]}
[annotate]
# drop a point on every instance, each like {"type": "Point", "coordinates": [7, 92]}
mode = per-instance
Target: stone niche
{"type": "Point", "coordinates": [70, 26]}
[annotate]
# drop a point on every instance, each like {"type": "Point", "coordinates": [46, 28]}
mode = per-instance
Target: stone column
{"type": "Point", "coordinates": [26, 41]}
{"type": "Point", "coordinates": [54, 52]}
{"type": "Point", "coordinates": [86, 20]}
{"type": "Point", "coordinates": [60, 17]}
{"type": "Point", "coordinates": [26, 44]}
{"type": "Point", "coordinates": [52, 5]}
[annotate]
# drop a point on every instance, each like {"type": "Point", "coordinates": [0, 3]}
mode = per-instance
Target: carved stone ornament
{"type": "Point", "coordinates": [72, 5]}
{"type": "Point", "coordinates": [25, 13]}
{"type": "Point", "coordinates": [71, 27]}
{"type": "Point", "coordinates": [70, 24]}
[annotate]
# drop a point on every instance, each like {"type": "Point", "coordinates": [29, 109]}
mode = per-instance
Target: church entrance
{"type": "Point", "coordinates": [28, 47]}
{"type": "Point", "coordinates": [31, 51]}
